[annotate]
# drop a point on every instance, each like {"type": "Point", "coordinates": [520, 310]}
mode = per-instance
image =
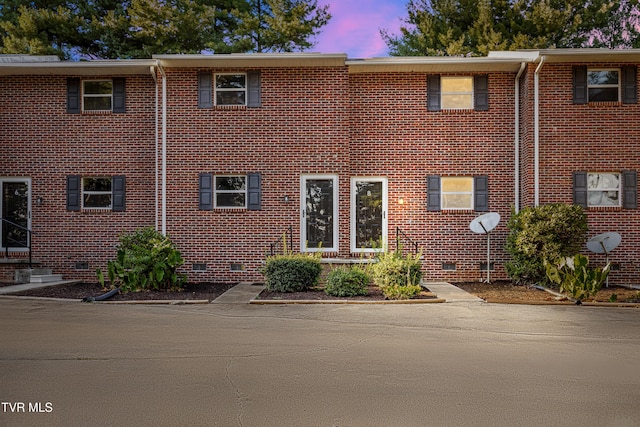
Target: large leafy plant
{"type": "Point", "coordinates": [145, 259]}
{"type": "Point", "coordinates": [574, 276]}
{"type": "Point", "coordinates": [544, 232]}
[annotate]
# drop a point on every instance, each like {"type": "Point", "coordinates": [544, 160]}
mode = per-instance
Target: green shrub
{"type": "Point", "coordinates": [145, 259]}
{"type": "Point", "coordinates": [573, 275]}
{"type": "Point", "coordinates": [347, 282]}
{"type": "Point", "coordinates": [398, 275]}
{"type": "Point", "coordinates": [544, 232]}
{"type": "Point", "coordinates": [291, 272]}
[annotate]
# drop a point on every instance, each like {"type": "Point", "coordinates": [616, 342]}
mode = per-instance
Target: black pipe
{"type": "Point", "coordinates": [102, 297]}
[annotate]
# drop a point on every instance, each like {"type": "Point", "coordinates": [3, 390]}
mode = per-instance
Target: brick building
{"type": "Point", "coordinates": [226, 152]}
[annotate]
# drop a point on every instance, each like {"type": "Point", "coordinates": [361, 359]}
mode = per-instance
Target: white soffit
{"type": "Point", "coordinates": [78, 68]}
{"type": "Point", "coordinates": [436, 64]}
{"type": "Point", "coordinates": [251, 60]}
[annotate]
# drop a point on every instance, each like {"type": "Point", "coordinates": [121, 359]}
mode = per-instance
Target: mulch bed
{"type": "Point", "coordinates": [317, 293]}
{"type": "Point", "coordinates": [190, 291]}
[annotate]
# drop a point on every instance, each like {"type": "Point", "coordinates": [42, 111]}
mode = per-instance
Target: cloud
{"type": "Point", "coordinates": [355, 26]}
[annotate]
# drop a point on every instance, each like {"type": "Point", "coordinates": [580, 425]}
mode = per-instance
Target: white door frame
{"type": "Point", "coordinates": [385, 197]}
{"type": "Point", "coordinates": [303, 213]}
{"type": "Point", "coordinates": [4, 180]}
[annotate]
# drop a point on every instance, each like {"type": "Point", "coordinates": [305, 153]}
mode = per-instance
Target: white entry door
{"type": "Point", "coordinates": [368, 214]}
{"type": "Point", "coordinates": [319, 213]}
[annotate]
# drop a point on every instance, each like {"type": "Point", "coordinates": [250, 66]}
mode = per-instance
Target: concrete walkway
{"type": "Point", "coordinates": [4, 290]}
{"type": "Point", "coordinates": [451, 293]}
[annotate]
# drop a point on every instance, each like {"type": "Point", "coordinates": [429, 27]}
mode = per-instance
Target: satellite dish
{"type": "Point", "coordinates": [604, 243]}
{"type": "Point", "coordinates": [485, 223]}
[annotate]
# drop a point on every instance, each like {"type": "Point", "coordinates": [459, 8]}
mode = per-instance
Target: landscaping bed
{"type": "Point", "coordinates": [317, 293]}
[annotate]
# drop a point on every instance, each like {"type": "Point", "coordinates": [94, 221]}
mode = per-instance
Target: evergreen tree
{"type": "Point", "coordinates": [141, 28]}
{"type": "Point", "coordinates": [475, 27]}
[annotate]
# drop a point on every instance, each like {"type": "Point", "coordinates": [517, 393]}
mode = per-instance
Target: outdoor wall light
{"type": "Point", "coordinates": [39, 201]}
{"type": "Point", "coordinates": [285, 199]}
{"type": "Point", "coordinates": [401, 201]}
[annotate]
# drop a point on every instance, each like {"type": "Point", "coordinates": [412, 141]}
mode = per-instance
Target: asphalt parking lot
{"type": "Point", "coordinates": [234, 364]}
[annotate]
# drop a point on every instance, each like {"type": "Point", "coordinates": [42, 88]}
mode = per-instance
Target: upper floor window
{"type": "Point", "coordinates": [457, 92]}
{"type": "Point", "coordinates": [606, 189]}
{"type": "Point", "coordinates": [603, 85]}
{"type": "Point", "coordinates": [231, 89]}
{"type": "Point", "coordinates": [603, 189]}
{"type": "Point", "coordinates": [96, 193]}
{"type": "Point", "coordinates": [97, 95]}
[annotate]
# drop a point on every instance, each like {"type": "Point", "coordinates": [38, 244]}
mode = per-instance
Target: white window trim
{"type": "Point", "coordinates": [97, 95]}
{"type": "Point", "coordinates": [216, 89]}
{"type": "Point", "coordinates": [443, 93]}
{"type": "Point", "coordinates": [385, 230]}
{"type": "Point", "coordinates": [618, 86]}
{"type": "Point", "coordinates": [83, 192]}
{"type": "Point", "coordinates": [216, 191]}
{"type": "Point", "coordinates": [303, 208]}
{"type": "Point", "coordinates": [443, 193]}
{"type": "Point", "coordinates": [618, 189]}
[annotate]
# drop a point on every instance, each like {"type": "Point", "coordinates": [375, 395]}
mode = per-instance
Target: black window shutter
{"type": "Point", "coordinates": [205, 89]}
{"type": "Point", "coordinates": [630, 189]}
{"type": "Point", "coordinates": [580, 189]}
{"type": "Point", "coordinates": [118, 190]}
{"type": "Point", "coordinates": [629, 85]}
{"type": "Point", "coordinates": [481, 193]}
{"type": "Point", "coordinates": [481, 92]}
{"type": "Point", "coordinates": [433, 92]}
{"type": "Point", "coordinates": [254, 89]}
{"type": "Point", "coordinates": [254, 192]}
{"type": "Point", "coordinates": [119, 98]}
{"type": "Point", "coordinates": [580, 92]}
{"type": "Point", "coordinates": [73, 95]}
{"type": "Point", "coordinates": [206, 192]}
{"type": "Point", "coordinates": [433, 193]}
{"type": "Point", "coordinates": [73, 192]}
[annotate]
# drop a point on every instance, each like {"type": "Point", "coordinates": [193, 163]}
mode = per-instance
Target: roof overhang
{"type": "Point", "coordinates": [249, 60]}
{"type": "Point", "coordinates": [78, 68]}
{"type": "Point", "coordinates": [584, 55]}
{"type": "Point", "coordinates": [437, 64]}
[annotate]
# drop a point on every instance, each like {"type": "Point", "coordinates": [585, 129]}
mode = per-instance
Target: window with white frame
{"type": "Point", "coordinates": [603, 85]}
{"type": "Point", "coordinates": [230, 89]}
{"type": "Point", "coordinates": [456, 192]}
{"type": "Point", "coordinates": [230, 191]}
{"type": "Point", "coordinates": [97, 95]}
{"type": "Point", "coordinates": [456, 93]}
{"type": "Point", "coordinates": [603, 189]}
{"type": "Point", "coordinates": [96, 193]}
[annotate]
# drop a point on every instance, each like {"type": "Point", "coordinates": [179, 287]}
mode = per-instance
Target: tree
{"type": "Point", "coordinates": [472, 27]}
{"type": "Point", "coordinates": [141, 28]}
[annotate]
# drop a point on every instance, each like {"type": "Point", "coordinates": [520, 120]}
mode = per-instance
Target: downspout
{"type": "Point", "coordinates": [536, 130]}
{"type": "Point", "coordinates": [155, 80]}
{"type": "Point", "coordinates": [163, 198]}
{"type": "Point", "coordinates": [517, 139]}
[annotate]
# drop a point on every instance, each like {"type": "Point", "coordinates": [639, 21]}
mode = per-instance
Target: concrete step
{"type": "Point", "coordinates": [45, 278]}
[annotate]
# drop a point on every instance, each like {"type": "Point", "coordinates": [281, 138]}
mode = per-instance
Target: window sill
{"type": "Point", "coordinates": [604, 209]}
{"type": "Point", "coordinates": [95, 211]}
{"type": "Point", "coordinates": [97, 113]}
{"type": "Point", "coordinates": [457, 211]}
{"type": "Point", "coordinates": [605, 104]}
{"type": "Point", "coordinates": [230, 107]}
{"type": "Point", "coordinates": [458, 111]}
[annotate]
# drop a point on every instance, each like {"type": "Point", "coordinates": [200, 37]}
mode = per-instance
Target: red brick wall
{"type": "Point", "coordinates": [394, 136]}
{"type": "Point", "coordinates": [301, 128]}
{"type": "Point", "coordinates": [41, 141]}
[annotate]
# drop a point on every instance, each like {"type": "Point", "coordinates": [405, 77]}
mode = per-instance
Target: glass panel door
{"type": "Point", "coordinates": [15, 213]}
{"type": "Point", "coordinates": [319, 213]}
{"type": "Point", "coordinates": [368, 214]}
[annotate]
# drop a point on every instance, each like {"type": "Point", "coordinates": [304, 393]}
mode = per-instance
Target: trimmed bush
{"type": "Point", "coordinates": [545, 232]}
{"type": "Point", "coordinates": [347, 282]}
{"type": "Point", "coordinates": [146, 259]}
{"type": "Point", "coordinates": [291, 272]}
{"type": "Point", "coordinates": [397, 275]}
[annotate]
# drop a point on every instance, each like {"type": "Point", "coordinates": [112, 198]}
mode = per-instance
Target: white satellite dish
{"type": "Point", "coordinates": [483, 225]}
{"type": "Point", "coordinates": [603, 244]}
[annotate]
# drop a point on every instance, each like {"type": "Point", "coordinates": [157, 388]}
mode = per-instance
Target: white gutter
{"type": "Point", "coordinates": [517, 139]}
{"type": "Point", "coordinates": [536, 129]}
{"type": "Point", "coordinates": [163, 220]}
{"type": "Point", "coordinates": [152, 69]}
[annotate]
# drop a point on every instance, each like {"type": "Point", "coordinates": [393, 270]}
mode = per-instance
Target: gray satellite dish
{"type": "Point", "coordinates": [483, 225]}
{"type": "Point", "coordinates": [603, 244]}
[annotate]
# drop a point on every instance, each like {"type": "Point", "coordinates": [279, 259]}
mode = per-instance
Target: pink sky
{"type": "Point", "coordinates": [355, 26]}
